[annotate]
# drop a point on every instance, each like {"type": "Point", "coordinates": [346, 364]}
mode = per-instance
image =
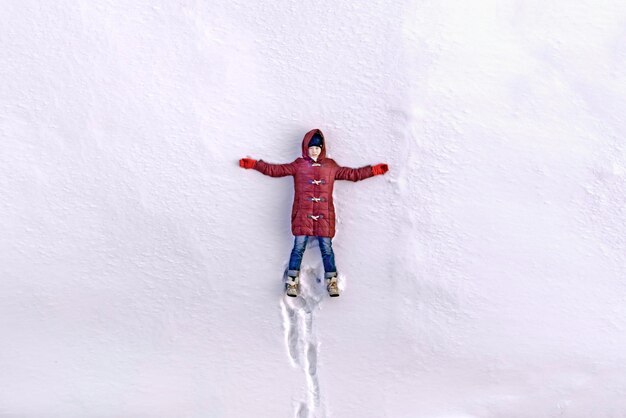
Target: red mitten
{"type": "Point", "coordinates": [247, 163]}
{"type": "Point", "coordinates": [380, 169]}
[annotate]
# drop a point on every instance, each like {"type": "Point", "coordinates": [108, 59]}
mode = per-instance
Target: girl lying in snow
{"type": "Point", "coordinates": [313, 212]}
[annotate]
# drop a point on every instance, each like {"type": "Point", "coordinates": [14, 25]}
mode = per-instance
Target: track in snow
{"type": "Point", "coordinates": [301, 339]}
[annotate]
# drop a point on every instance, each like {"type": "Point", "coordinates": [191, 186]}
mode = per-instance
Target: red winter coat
{"type": "Point", "coordinates": [313, 212]}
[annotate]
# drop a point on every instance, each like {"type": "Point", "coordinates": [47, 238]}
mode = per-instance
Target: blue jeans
{"type": "Point", "coordinates": [326, 248]}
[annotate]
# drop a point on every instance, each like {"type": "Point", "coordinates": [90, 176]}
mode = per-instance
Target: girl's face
{"type": "Point", "coordinates": [315, 152]}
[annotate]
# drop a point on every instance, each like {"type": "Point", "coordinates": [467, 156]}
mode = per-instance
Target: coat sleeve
{"type": "Point", "coordinates": [275, 170]}
{"type": "Point", "coordinates": [353, 174]}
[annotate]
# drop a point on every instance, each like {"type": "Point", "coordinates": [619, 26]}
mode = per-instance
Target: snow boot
{"type": "Point", "coordinates": [331, 286]}
{"type": "Point", "coordinates": [292, 286]}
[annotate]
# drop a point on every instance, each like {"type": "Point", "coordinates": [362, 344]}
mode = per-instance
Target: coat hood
{"type": "Point", "coordinates": [305, 144]}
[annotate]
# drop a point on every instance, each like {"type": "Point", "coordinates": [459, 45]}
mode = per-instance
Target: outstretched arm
{"type": "Point", "coordinates": [273, 170]}
{"type": "Point", "coordinates": [357, 174]}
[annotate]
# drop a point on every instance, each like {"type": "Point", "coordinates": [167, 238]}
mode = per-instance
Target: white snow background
{"type": "Point", "coordinates": [141, 268]}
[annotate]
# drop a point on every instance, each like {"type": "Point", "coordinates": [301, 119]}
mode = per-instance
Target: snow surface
{"type": "Point", "coordinates": [141, 268]}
